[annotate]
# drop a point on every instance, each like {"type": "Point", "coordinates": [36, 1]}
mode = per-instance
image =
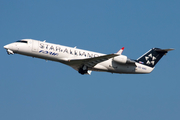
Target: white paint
{"type": "Point", "coordinates": [78, 58]}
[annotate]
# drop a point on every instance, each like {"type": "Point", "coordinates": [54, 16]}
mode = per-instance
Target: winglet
{"type": "Point", "coordinates": [120, 51]}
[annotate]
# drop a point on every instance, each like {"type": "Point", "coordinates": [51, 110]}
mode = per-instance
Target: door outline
{"type": "Point", "coordinates": [35, 45]}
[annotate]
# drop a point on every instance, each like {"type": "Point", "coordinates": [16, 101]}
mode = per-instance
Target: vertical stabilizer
{"type": "Point", "coordinates": [152, 57]}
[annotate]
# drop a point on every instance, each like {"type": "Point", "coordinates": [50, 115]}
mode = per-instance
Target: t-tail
{"type": "Point", "coordinates": [152, 57]}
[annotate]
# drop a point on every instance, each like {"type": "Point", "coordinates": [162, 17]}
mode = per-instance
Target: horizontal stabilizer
{"type": "Point", "coordinates": [164, 50]}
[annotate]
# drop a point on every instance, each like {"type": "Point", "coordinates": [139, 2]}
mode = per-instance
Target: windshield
{"type": "Point", "coordinates": [22, 41]}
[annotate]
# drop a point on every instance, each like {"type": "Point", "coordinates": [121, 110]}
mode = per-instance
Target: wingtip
{"type": "Point", "coordinates": [120, 51]}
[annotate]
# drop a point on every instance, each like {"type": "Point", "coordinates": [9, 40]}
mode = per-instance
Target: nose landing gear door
{"type": "Point", "coordinates": [35, 45]}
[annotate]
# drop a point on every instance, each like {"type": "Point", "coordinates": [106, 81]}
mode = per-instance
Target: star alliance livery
{"type": "Point", "coordinates": [86, 61]}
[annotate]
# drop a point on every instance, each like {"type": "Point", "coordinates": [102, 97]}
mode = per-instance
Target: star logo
{"type": "Point", "coordinates": [150, 59]}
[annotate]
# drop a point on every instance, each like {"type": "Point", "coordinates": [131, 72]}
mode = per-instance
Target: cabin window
{"type": "Point", "coordinates": [22, 41]}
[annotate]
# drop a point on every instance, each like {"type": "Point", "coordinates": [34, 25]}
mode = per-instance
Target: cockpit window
{"type": "Point", "coordinates": [22, 41]}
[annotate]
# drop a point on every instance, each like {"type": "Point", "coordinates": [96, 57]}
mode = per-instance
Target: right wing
{"type": "Point", "coordinates": [90, 62]}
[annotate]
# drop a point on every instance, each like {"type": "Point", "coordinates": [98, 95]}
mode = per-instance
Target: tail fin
{"type": "Point", "coordinates": [152, 57]}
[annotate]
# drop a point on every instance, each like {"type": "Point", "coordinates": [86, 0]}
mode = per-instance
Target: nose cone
{"type": "Point", "coordinates": [6, 46]}
{"type": "Point", "coordinates": [9, 49]}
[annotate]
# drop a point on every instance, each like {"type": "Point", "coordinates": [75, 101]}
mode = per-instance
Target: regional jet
{"type": "Point", "coordinates": [87, 61]}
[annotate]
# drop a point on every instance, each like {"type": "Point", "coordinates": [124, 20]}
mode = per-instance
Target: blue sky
{"type": "Point", "coordinates": [33, 89]}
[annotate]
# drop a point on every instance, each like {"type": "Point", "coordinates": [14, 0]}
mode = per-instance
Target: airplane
{"type": "Point", "coordinates": [87, 61]}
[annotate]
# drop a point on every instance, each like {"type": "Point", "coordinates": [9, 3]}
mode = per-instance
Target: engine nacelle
{"type": "Point", "coordinates": [120, 59]}
{"type": "Point", "coordinates": [123, 60]}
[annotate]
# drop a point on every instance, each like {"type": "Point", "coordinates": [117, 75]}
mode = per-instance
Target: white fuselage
{"type": "Point", "coordinates": [64, 54]}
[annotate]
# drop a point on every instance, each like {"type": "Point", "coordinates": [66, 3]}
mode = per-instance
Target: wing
{"type": "Point", "coordinates": [90, 62]}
